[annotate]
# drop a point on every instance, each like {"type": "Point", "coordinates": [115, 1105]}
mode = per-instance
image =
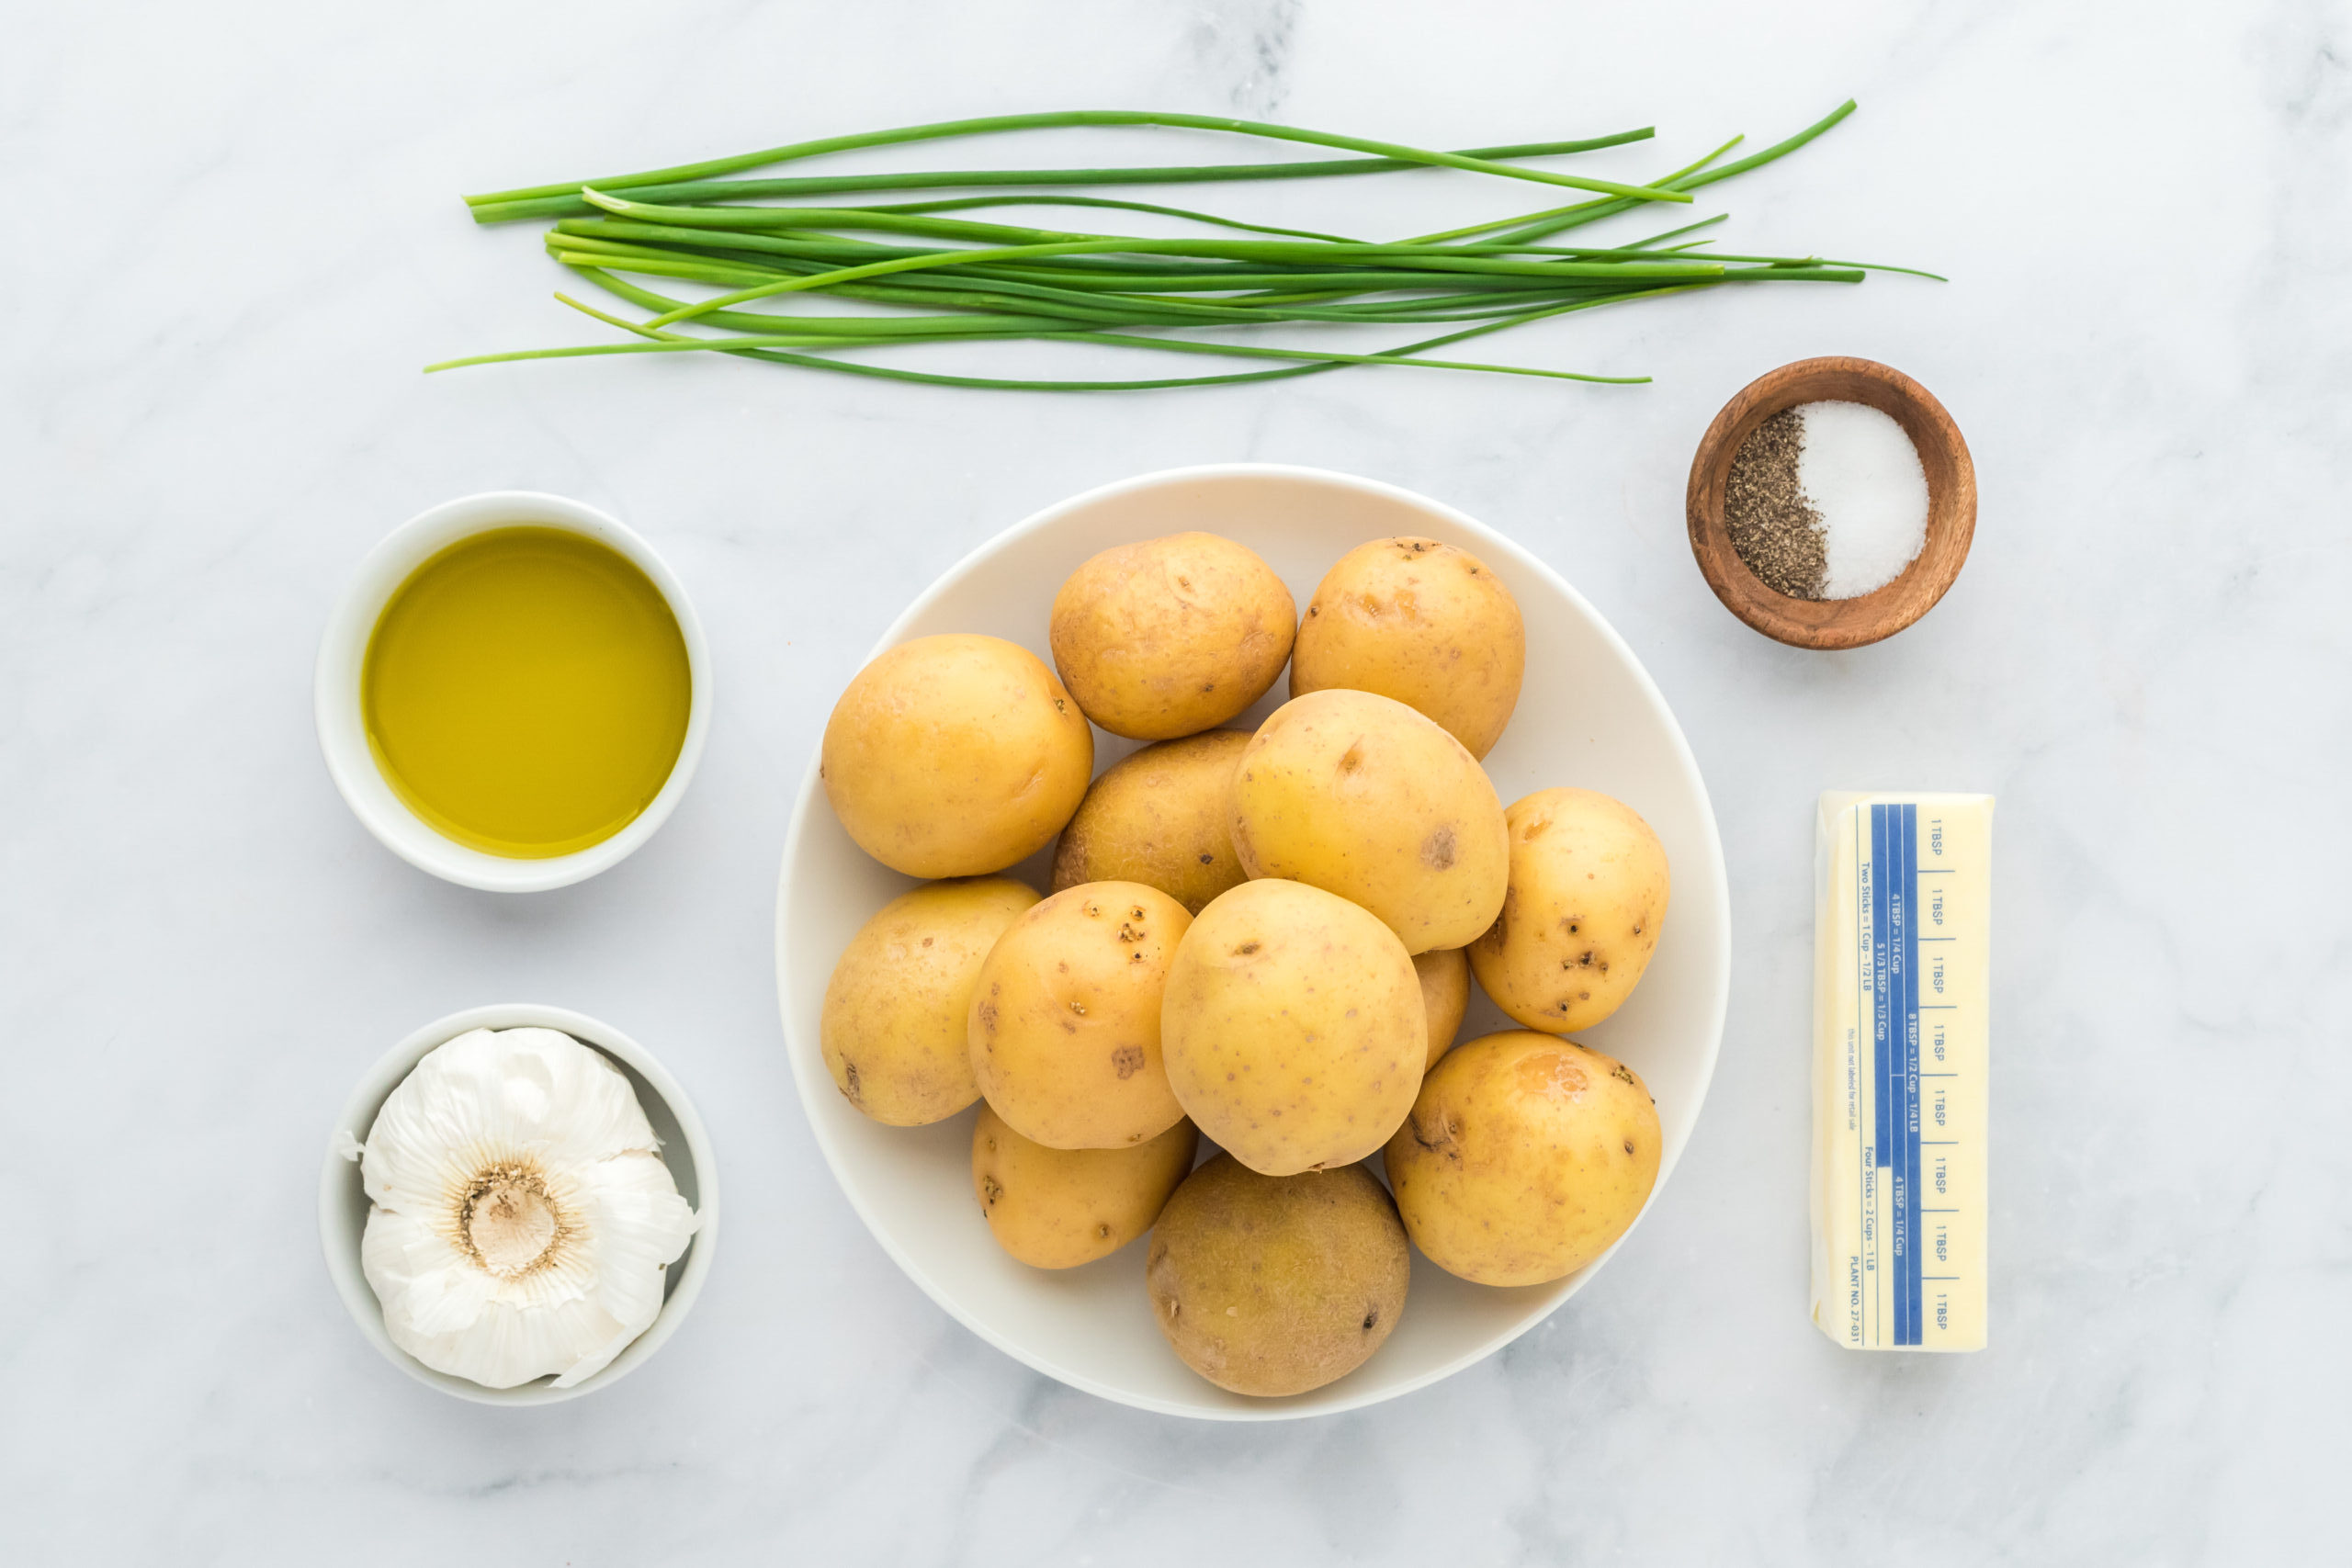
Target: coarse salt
{"type": "Point", "coordinates": [1863, 475]}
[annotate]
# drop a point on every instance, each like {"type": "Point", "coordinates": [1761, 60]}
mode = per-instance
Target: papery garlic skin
{"type": "Point", "coordinates": [523, 1220]}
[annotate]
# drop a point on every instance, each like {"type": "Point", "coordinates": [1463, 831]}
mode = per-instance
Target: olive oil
{"type": "Point", "coordinates": [526, 692]}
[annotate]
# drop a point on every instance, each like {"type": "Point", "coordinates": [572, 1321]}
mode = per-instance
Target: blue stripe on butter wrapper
{"type": "Point", "coordinates": [1906, 936]}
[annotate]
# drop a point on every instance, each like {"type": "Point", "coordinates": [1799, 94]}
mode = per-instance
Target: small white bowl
{"type": "Point", "coordinates": [1587, 716]}
{"type": "Point", "coordinates": [342, 731]}
{"type": "Point", "coordinates": [685, 1149]}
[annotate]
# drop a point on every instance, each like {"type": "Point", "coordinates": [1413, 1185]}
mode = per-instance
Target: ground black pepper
{"type": "Point", "coordinates": [1775, 529]}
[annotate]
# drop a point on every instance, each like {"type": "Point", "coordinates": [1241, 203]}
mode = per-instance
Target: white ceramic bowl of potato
{"type": "Point", "coordinates": [1587, 716]}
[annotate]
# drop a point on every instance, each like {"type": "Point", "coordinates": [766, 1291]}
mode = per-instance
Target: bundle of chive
{"type": "Point", "coordinates": [980, 282]}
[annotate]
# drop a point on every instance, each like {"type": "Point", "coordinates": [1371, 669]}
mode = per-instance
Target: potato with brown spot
{"type": "Point", "coordinates": [955, 756]}
{"type": "Point", "coordinates": [1525, 1158]}
{"type": "Point", "coordinates": [1588, 890]}
{"type": "Point", "coordinates": [1161, 817]}
{"type": "Point", "coordinates": [1444, 974]}
{"type": "Point", "coordinates": [1362, 796]}
{"type": "Point", "coordinates": [896, 1017]}
{"type": "Point", "coordinates": [1171, 636]}
{"type": "Point", "coordinates": [1270, 1285]}
{"type": "Point", "coordinates": [1065, 1034]}
{"type": "Point", "coordinates": [1293, 1028]}
{"type": "Point", "coordinates": [1059, 1208]}
{"type": "Point", "coordinates": [1424, 622]}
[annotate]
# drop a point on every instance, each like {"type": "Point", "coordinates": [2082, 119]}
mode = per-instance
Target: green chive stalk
{"type": "Point", "coordinates": [920, 276]}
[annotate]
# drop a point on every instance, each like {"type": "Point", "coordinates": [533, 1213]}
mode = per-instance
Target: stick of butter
{"type": "Point", "coordinates": [1902, 929]}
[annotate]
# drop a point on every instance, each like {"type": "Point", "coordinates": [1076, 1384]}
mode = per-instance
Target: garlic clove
{"type": "Point", "coordinates": [533, 1090]}
{"type": "Point", "coordinates": [646, 1225]}
{"type": "Point", "coordinates": [596, 1361]}
{"type": "Point", "coordinates": [407, 1264]}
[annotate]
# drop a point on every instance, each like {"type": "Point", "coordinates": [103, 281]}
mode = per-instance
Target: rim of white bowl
{"type": "Point", "coordinates": [342, 1219]}
{"type": "Point", "coordinates": [343, 651]}
{"type": "Point", "coordinates": [807, 1065]}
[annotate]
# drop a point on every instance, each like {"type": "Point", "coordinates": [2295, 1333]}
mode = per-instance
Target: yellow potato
{"type": "Point", "coordinates": [1525, 1156]}
{"type": "Point", "coordinates": [895, 1027]}
{"type": "Point", "coordinates": [1293, 1028]}
{"type": "Point", "coordinates": [1444, 974]}
{"type": "Point", "coordinates": [1163, 818]}
{"type": "Point", "coordinates": [1059, 1208]}
{"type": "Point", "coordinates": [1171, 636]}
{"type": "Point", "coordinates": [1588, 894]}
{"type": "Point", "coordinates": [1420, 622]}
{"type": "Point", "coordinates": [1270, 1285]}
{"type": "Point", "coordinates": [955, 756]}
{"type": "Point", "coordinates": [1065, 1018]}
{"type": "Point", "coordinates": [1360, 795]}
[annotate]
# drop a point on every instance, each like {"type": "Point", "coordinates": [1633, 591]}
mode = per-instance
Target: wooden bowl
{"type": "Point", "coordinates": [1951, 504]}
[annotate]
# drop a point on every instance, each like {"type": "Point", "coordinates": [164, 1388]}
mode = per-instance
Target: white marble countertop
{"type": "Point", "coordinates": [233, 239]}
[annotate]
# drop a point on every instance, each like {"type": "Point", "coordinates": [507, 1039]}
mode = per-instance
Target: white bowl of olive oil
{"type": "Point", "coordinates": [514, 692]}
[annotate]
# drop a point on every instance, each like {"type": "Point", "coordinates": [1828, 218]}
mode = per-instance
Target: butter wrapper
{"type": "Point", "coordinates": [1902, 939]}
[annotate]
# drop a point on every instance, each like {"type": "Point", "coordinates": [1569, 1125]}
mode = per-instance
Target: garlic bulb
{"type": "Point", "coordinates": [523, 1221]}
